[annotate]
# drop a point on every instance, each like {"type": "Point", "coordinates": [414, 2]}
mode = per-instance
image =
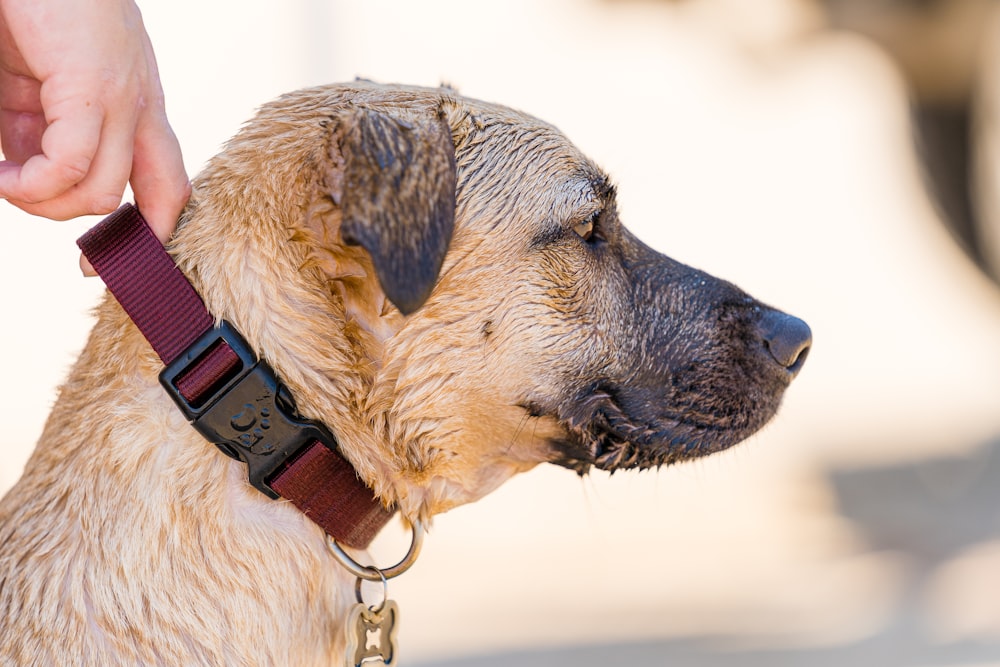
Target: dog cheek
{"type": "Point", "coordinates": [462, 460]}
{"type": "Point", "coordinates": [456, 436]}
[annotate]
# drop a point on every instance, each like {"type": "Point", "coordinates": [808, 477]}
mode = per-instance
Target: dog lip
{"type": "Point", "coordinates": [615, 454]}
{"type": "Point", "coordinates": [627, 445]}
{"type": "Point", "coordinates": [600, 432]}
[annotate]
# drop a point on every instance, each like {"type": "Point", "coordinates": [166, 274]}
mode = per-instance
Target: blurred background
{"type": "Point", "coordinates": [839, 159]}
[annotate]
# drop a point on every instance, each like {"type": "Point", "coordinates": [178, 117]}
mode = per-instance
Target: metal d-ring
{"type": "Point", "coordinates": [371, 573]}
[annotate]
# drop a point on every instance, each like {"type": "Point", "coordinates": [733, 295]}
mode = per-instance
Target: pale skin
{"type": "Point", "coordinates": [82, 113]}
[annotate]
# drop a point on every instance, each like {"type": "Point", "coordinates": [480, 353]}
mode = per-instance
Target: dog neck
{"type": "Point", "coordinates": [230, 396]}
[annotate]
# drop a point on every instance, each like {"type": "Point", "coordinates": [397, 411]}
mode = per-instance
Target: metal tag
{"type": "Point", "coordinates": [371, 635]}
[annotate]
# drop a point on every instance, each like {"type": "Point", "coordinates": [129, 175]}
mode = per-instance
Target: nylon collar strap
{"type": "Point", "coordinates": [230, 396]}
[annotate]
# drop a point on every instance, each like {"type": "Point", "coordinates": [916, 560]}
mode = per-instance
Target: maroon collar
{"type": "Point", "coordinates": [231, 397]}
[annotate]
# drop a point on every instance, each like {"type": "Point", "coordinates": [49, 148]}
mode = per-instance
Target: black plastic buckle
{"type": "Point", "coordinates": [250, 415]}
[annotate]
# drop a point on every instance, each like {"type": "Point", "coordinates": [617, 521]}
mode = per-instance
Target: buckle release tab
{"type": "Point", "coordinates": [246, 412]}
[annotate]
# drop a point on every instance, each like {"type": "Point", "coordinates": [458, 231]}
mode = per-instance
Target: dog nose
{"type": "Point", "coordinates": [787, 339]}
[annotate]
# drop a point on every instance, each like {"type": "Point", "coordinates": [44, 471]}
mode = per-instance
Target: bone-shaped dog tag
{"type": "Point", "coordinates": [371, 635]}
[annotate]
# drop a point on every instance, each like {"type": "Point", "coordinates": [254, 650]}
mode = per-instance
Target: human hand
{"type": "Point", "coordinates": [82, 113]}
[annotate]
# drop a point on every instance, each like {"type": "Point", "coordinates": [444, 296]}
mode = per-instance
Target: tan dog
{"type": "Point", "coordinates": [537, 329]}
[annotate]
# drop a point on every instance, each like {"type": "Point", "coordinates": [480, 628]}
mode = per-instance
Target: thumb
{"type": "Point", "coordinates": [159, 181]}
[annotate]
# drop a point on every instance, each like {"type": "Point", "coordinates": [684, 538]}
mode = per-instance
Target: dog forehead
{"type": "Point", "coordinates": [510, 160]}
{"type": "Point", "coordinates": [510, 164]}
{"type": "Point", "coordinates": [492, 139]}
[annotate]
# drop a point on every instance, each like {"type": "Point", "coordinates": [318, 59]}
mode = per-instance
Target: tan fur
{"type": "Point", "coordinates": [130, 540]}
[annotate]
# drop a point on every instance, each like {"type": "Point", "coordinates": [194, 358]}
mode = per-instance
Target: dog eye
{"type": "Point", "coordinates": [585, 229]}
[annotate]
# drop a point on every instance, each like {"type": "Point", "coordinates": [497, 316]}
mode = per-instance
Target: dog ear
{"type": "Point", "coordinates": [397, 198]}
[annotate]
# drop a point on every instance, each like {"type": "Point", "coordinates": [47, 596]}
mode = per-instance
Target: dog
{"type": "Point", "coordinates": [445, 285]}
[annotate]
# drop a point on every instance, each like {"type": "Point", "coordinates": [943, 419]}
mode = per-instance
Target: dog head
{"type": "Point", "coordinates": [447, 285]}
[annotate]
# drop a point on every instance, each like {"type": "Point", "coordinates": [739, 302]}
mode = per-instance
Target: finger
{"type": "Point", "coordinates": [159, 180]}
{"type": "Point", "coordinates": [22, 120]}
{"type": "Point", "coordinates": [21, 134]}
{"type": "Point", "coordinates": [69, 146]}
{"type": "Point", "coordinates": [100, 192]}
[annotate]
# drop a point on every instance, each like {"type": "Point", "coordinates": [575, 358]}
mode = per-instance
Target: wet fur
{"type": "Point", "coordinates": [129, 540]}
